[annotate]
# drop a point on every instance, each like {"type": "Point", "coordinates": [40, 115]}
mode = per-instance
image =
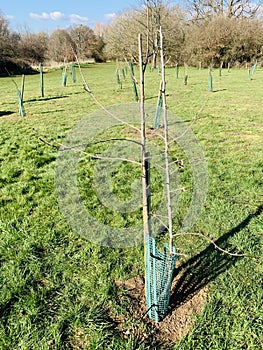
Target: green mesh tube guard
{"type": "Point", "coordinates": [159, 275]}
{"type": "Point", "coordinates": [158, 112]}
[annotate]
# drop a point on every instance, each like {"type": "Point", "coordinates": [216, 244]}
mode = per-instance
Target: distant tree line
{"type": "Point", "coordinates": [202, 31]}
{"type": "Point", "coordinates": [210, 32]}
{"type": "Point", "coordinates": [21, 51]}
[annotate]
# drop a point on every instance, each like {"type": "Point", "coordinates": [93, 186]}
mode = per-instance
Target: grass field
{"type": "Point", "coordinates": [58, 290]}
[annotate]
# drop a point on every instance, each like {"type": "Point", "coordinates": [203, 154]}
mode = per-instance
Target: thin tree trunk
{"type": "Point", "coordinates": [155, 52]}
{"type": "Point", "coordinates": [166, 141]}
{"type": "Point", "coordinates": [221, 7]}
{"type": "Point", "coordinates": [148, 28]}
{"type": "Point", "coordinates": [145, 184]}
{"type": "Point", "coordinates": [230, 8]}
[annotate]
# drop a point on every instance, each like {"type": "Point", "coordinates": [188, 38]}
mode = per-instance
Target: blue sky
{"type": "Point", "coordinates": [47, 15]}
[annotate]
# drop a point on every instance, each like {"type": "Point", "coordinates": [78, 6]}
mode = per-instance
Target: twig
{"type": "Point", "coordinates": [115, 139]}
{"type": "Point", "coordinates": [191, 124]}
{"type": "Point", "coordinates": [209, 240]}
{"type": "Point", "coordinates": [11, 78]}
{"type": "Point", "coordinates": [61, 147]}
{"type": "Point", "coordinates": [178, 189]}
{"type": "Point", "coordinates": [164, 225]}
{"type": "Point", "coordinates": [180, 254]}
{"type": "Point", "coordinates": [87, 89]}
{"type": "Point", "coordinates": [89, 143]}
{"type": "Point", "coordinates": [161, 221]}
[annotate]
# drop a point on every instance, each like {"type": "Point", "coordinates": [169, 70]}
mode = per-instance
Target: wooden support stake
{"type": "Point", "coordinates": [185, 75]}
{"type": "Point", "coordinates": [20, 103]}
{"type": "Point", "coordinates": [73, 73]}
{"type": "Point", "coordinates": [22, 87]}
{"type": "Point", "coordinates": [166, 150]}
{"type": "Point", "coordinates": [41, 80]}
{"type": "Point", "coordinates": [159, 108]}
{"type": "Point", "coordinates": [210, 80]}
{"type": "Point", "coordinates": [145, 189]}
{"type": "Point", "coordinates": [64, 79]}
{"type": "Point", "coordinates": [220, 69]}
{"type": "Point", "coordinates": [177, 71]}
{"type": "Point", "coordinates": [134, 87]}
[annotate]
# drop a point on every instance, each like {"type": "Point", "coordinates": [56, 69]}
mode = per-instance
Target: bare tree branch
{"type": "Point", "coordinates": [209, 240]}
{"type": "Point", "coordinates": [197, 115]}
{"type": "Point", "coordinates": [87, 88]}
{"type": "Point", "coordinates": [205, 9]}
{"type": "Point", "coordinates": [61, 147]}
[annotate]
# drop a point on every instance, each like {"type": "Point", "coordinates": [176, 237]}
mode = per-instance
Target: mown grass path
{"type": "Point", "coordinates": [58, 290]}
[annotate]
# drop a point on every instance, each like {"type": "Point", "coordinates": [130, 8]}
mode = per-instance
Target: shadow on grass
{"type": "Point", "coordinates": [218, 90]}
{"type": "Point", "coordinates": [3, 113]}
{"type": "Point", "coordinates": [151, 98]}
{"type": "Point", "coordinates": [46, 98]}
{"type": "Point", "coordinates": [51, 111]}
{"type": "Point", "coordinates": [155, 97]}
{"type": "Point", "coordinates": [206, 266]}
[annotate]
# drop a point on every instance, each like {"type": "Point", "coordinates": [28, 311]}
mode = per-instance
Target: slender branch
{"type": "Point", "coordinates": [178, 189]}
{"type": "Point", "coordinates": [209, 240]}
{"type": "Point", "coordinates": [156, 133]}
{"type": "Point", "coordinates": [90, 143]}
{"type": "Point", "coordinates": [180, 254]}
{"type": "Point", "coordinates": [161, 221]}
{"type": "Point", "coordinates": [191, 124]}
{"type": "Point", "coordinates": [200, 235]}
{"type": "Point", "coordinates": [147, 27]}
{"type": "Point", "coordinates": [177, 161]}
{"type": "Point", "coordinates": [116, 139]}
{"type": "Point", "coordinates": [161, 216]}
{"type": "Point", "coordinates": [148, 31]}
{"type": "Point", "coordinates": [11, 78]}
{"type": "Point", "coordinates": [61, 147]}
{"type": "Point", "coordinates": [87, 89]}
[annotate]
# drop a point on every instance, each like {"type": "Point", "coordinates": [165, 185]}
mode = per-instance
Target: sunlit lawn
{"type": "Point", "coordinates": [58, 289]}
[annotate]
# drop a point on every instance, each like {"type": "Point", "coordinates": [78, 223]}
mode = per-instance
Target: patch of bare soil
{"type": "Point", "coordinates": [164, 334]}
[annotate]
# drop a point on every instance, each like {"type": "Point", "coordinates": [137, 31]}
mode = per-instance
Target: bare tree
{"type": "Point", "coordinates": [224, 39]}
{"type": "Point", "coordinates": [121, 36]}
{"type": "Point", "coordinates": [245, 8]}
{"type": "Point", "coordinates": [33, 47]}
{"type": "Point", "coordinates": [10, 57]}
{"type": "Point", "coordinates": [159, 13]}
{"type": "Point", "coordinates": [204, 9]}
{"type": "Point", "coordinates": [60, 46]}
{"type": "Point", "coordinates": [85, 41]}
{"type": "Point", "coordinates": [4, 38]}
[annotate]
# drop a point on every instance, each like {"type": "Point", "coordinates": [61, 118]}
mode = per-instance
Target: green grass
{"type": "Point", "coordinates": [58, 289]}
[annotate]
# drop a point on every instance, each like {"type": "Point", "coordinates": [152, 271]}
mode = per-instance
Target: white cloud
{"type": "Point", "coordinates": [9, 17]}
{"type": "Point", "coordinates": [109, 16]}
{"type": "Point", "coordinates": [78, 19]}
{"type": "Point", "coordinates": [36, 16]}
{"type": "Point", "coordinates": [55, 16]}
